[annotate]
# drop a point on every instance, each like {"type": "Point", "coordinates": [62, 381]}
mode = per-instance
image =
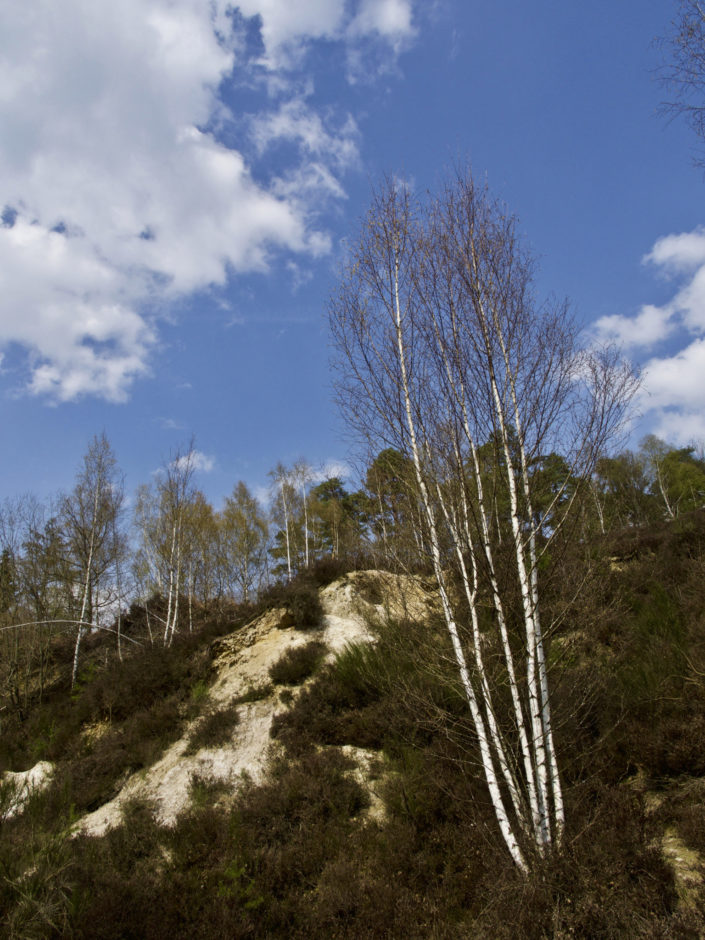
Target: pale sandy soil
{"type": "Point", "coordinates": [242, 662]}
{"type": "Point", "coordinates": [25, 782]}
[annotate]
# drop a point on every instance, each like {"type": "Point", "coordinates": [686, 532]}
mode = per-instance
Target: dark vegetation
{"type": "Point", "coordinates": [214, 729]}
{"type": "Point", "coordinates": [300, 596]}
{"type": "Point", "coordinates": [255, 693]}
{"type": "Point", "coordinates": [297, 664]}
{"type": "Point", "coordinates": [302, 855]}
{"type": "Point", "coordinates": [117, 719]}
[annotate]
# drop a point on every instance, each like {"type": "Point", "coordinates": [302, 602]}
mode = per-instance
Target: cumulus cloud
{"type": "Point", "coordinates": [689, 302]}
{"type": "Point", "coordinates": [676, 381]}
{"type": "Point", "coordinates": [679, 253]}
{"type": "Point", "coordinates": [390, 19]}
{"type": "Point", "coordinates": [680, 427]}
{"type": "Point", "coordinates": [649, 326]}
{"type": "Point", "coordinates": [672, 395]}
{"type": "Point", "coordinates": [194, 460]}
{"type": "Point", "coordinates": [202, 462]}
{"type": "Point", "coordinates": [263, 495]}
{"type": "Point", "coordinates": [289, 25]}
{"type": "Point", "coordinates": [682, 257]}
{"type": "Point", "coordinates": [66, 304]}
{"type": "Point", "coordinates": [120, 191]}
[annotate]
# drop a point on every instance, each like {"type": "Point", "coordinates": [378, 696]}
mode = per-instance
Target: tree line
{"type": "Point", "coordinates": [77, 562]}
{"type": "Point", "coordinates": [80, 562]}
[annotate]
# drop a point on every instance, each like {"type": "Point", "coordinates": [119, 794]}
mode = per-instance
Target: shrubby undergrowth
{"type": "Point", "coordinates": [308, 854]}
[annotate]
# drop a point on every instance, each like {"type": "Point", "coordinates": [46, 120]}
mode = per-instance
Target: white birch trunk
{"type": "Point", "coordinates": [535, 711]}
{"type": "Point", "coordinates": [459, 395]}
{"type": "Point", "coordinates": [87, 583]}
{"type": "Point", "coordinates": [149, 626]}
{"type": "Point", "coordinates": [555, 784]}
{"type": "Point", "coordinates": [486, 757]}
{"type": "Point", "coordinates": [170, 600]}
{"type": "Point", "coordinates": [662, 490]}
{"type": "Point", "coordinates": [286, 530]}
{"type": "Point", "coordinates": [177, 587]}
{"type": "Point", "coordinates": [190, 597]}
{"type": "Point", "coordinates": [470, 591]}
{"type": "Point", "coordinates": [303, 495]}
{"type": "Point", "coordinates": [119, 591]}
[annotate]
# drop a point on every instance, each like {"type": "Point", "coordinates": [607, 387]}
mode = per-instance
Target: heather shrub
{"type": "Point", "coordinates": [297, 663]}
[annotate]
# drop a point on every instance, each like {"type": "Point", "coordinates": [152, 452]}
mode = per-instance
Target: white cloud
{"type": "Point", "coordinates": [295, 122]}
{"type": "Point", "coordinates": [682, 256]}
{"type": "Point", "coordinates": [288, 24]}
{"type": "Point", "coordinates": [672, 395]}
{"type": "Point", "coordinates": [196, 460]}
{"type": "Point", "coordinates": [332, 468]}
{"type": "Point", "coordinates": [170, 424]}
{"type": "Point", "coordinates": [119, 195]}
{"type": "Point", "coordinates": [202, 462]}
{"type": "Point", "coordinates": [682, 428]}
{"type": "Point", "coordinates": [679, 253]}
{"type": "Point", "coordinates": [650, 326]}
{"type": "Point", "coordinates": [65, 304]}
{"type": "Point", "coordinates": [676, 381]}
{"type": "Point", "coordinates": [390, 19]}
{"type": "Point", "coordinates": [689, 302]}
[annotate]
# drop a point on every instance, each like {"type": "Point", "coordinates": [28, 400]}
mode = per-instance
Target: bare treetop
{"type": "Point", "coordinates": [683, 74]}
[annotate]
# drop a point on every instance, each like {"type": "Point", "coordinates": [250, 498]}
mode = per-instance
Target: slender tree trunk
{"type": "Point", "coordinates": [149, 626]}
{"type": "Point", "coordinates": [505, 826]}
{"type": "Point", "coordinates": [286, 530]}
{"type": "Point", "coordinates": [119, 592]}
{"type": "Point", "coordinates": [190, 597]}
{"type": "Point", "coordinates": [303, 495]}
{"type": "Point", "coordinates": [87, 583]}
{"type": "Point", "coordinates": [170, 601]}
{"type": "Point", "coordinates": [177, 588]}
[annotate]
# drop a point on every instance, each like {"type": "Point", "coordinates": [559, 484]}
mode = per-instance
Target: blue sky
{"type": "Point", "coordinates": [178, 177]}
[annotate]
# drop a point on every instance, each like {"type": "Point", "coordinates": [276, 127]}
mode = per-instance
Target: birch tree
{"type": "Point", "coordinates": [441, 351]}
{"type": "Point", "coordinates": [206, 542]}
{"type": "Point", "coordinates": [148, 561]}
{"type": "Point", "coordinates": [89, 517]}
{"type": "Point", "coordinates": [175, 486]}
{"type": "Point", "coordinates": [283, 500]}
{"type": "Point", "coordinates": [244, 536]}
{"type": "Point", "coordinates": [302, 477]}
{"type": "Point", "coordinates": [676, 476]}
{"type": "Point", "coordinates": [162, 514]}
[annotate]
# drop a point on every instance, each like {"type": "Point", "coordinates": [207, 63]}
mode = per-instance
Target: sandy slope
{"type": "Point", "coordinates": [242, 662]}
{"type": "Point", "coordinates": [23, 783]}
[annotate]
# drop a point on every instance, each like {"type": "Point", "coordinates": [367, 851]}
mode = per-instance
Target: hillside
{"type": "Point", "coordinates": [308, 770]}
